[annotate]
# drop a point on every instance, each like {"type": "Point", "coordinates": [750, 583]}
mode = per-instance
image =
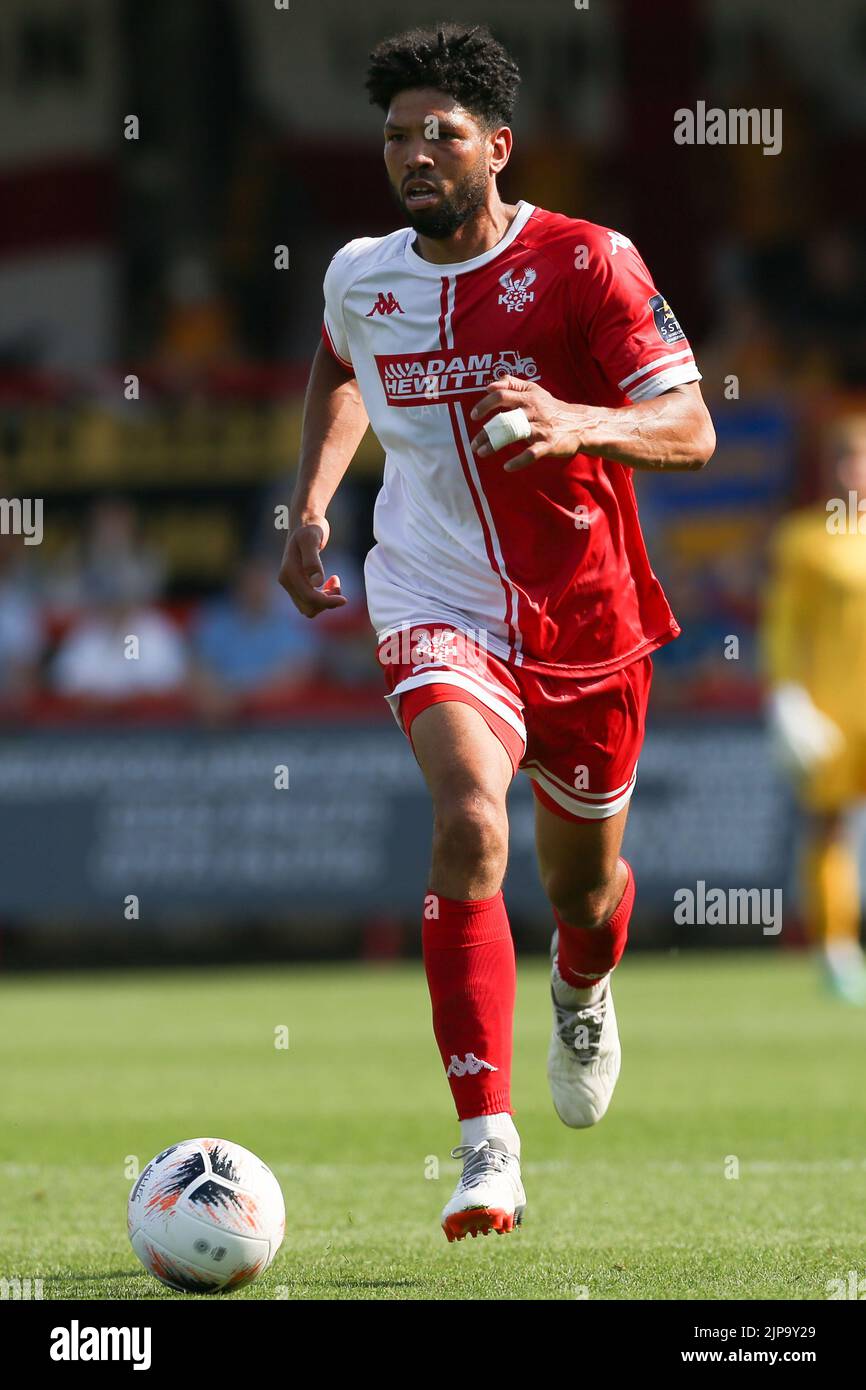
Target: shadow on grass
{"type": "Point", "coordinates": [150, 1290]}
{"type": "Point", "coordinates": [97, 1278]}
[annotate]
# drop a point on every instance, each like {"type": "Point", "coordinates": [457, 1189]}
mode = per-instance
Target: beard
{"type": "Point", "coordinates": [443, 221]}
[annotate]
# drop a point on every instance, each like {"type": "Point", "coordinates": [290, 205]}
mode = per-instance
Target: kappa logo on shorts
{"type": "Point", "coordinates": [470, 1065]}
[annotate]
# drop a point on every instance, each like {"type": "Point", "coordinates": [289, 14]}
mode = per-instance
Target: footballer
{"type": "Point", "coordinates": [814, 648]}
{"type": "Point", "coordinates": [516, 364]}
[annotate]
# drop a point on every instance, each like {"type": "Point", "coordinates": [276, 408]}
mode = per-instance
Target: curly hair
{"type": "Point", "coordinates": [466, 62]}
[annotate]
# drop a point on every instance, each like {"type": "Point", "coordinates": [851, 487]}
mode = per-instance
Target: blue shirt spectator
{"type": "Point", "coordinates": [254, 638]}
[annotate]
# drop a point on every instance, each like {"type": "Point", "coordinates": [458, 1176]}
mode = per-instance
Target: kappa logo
{"type": "Point", "coordinates": [517, 292]}
{"type": "Point", "coordinates": [617, 241]}
{"type": "Point", "coordinates": [385, 304]}
{"type": "Point", "coordinates": [470, 1065]}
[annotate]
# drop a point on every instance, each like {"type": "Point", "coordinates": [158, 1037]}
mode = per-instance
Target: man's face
{"type": "Point", "coordinates": [438, 159]}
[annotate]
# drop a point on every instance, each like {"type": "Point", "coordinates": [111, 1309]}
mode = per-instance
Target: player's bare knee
{"type": "Point", "coordinates": [580, 904]}
{"type": "Point", "coordinates": [471, 828]}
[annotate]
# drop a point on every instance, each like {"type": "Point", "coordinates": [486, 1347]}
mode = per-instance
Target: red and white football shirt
{"type": "Point", "coordinates": [548, 563]}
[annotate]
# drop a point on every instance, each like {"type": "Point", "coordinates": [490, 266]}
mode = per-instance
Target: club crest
{"type": "Point", "coordinates": [517, 292]}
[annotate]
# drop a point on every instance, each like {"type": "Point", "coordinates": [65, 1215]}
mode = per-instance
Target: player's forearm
{"type": "Point", "coordinates": [672, 431]}
{"type": "Point", "coordinates": [335, 421]}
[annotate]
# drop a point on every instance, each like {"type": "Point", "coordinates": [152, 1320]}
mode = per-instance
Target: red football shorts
{"type": "Point", "coordinates": [578, 740]}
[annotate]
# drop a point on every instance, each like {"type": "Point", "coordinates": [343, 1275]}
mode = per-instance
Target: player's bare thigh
{"type": "Point", "coordinates": [468, 773]}
{"type": "Point", "coordinates": [581, 871]}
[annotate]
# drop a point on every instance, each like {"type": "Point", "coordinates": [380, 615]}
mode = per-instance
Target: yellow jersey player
{"type": "Point", "coordinates": [814, 646]}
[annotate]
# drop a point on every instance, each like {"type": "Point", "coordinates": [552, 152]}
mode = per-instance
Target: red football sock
{"type": "Point", "coordinates": [469, 959]}
{"type": "Point", "coordinates": [587, 953]}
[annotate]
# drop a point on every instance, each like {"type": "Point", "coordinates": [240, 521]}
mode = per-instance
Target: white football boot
{"type": "Point", "coordinates": [584, 1058]}
{"type": "Point", "coordinates": [845, 971]}
{"type": "Point", "coordinates": [489, 1195]}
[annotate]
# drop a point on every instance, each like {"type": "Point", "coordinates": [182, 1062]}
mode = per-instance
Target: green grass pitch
{"type": "Point", "coordinates": [727, 1059]}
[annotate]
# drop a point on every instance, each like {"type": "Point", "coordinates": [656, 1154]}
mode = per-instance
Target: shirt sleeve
{"type": "Point", "coordinates": [631, 330]}
{"type": "Point", "coordinates": [333, 327]}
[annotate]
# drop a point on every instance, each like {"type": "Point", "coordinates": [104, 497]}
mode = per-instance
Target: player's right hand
{"type": "Point", "coordinates": [301, 573]}
{"type": "Point", "coordinates": [803, 736]}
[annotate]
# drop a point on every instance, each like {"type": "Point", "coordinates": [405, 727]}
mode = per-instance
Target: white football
{"type": "Point", "coordinates": [206, 1215]}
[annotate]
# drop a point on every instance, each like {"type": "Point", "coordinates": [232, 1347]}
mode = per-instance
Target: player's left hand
{"type": "Point", "coordinates": [554, 423]}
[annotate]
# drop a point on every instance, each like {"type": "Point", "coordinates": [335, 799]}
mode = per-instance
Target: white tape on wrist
{"type": "Point", "coordinates": [507, 428]}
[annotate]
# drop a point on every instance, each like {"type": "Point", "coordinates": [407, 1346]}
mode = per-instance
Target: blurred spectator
{"type": "Point", "coordinates": [788, 301]}
{"type": "Point", "coordinates": [21, 637]}
{"type": "Point", "coordinates": [832, 304]}
{"type": "Point", "coordinates": [771, 200]}
{"type": "Point", "coordinates": [112, 544]}
{"type": "Point", "coordinates": [813, 641]}
{"type": "Point", "coordinates": [198, 329]}
{"type": "Point", "coordinates": [258, 207]}
{"type": "Point", "coordinates": [551, 164]}
{"type": "Point", "coordinates": [745, 344]}
{"type": "Point", "coordinates": [253, 640]}
{"type": "Point", "coordinates": [123, 647]}
{"type": "Point", "coordinates": [693, 672]}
